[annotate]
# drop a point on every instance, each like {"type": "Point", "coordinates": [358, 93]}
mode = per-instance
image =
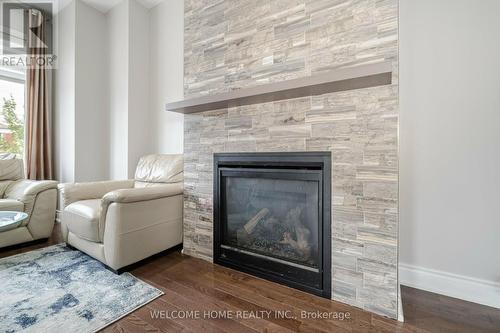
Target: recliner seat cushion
{"type": "Point", "coordinates": [82, 219]}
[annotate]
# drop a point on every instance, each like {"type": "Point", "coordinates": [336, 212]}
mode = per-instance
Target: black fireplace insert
{"type": "Point", "coordinates": [272, 217]}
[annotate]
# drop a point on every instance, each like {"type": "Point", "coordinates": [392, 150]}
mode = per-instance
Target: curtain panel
{"type": "Point", "coordinates": [38, 147]}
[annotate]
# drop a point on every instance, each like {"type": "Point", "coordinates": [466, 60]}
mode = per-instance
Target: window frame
{"type": "Point", "coordinates": [20, 78]}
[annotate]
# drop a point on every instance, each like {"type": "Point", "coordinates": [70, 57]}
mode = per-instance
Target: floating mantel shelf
{"type": "Point", "coordinates": [342, 79]}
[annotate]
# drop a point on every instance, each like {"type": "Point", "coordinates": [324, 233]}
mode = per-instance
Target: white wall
{"type": "Point", "coordinates": [80, 98]}
{"type": "Point", "coordinates": [131, 126]}
{"type": "Point", "coordinates": [103, 116]}
{"type": "Point", "coordinates": [91, 100]}
{"type": "Point", "coordinates": [166, 37]}
{"type": "Point", "coordinates": [118, 43]}
{"type": "Point", "coordinates": [140, 126]}
{"type": "Point", "coordinates": [64, 96]}
{"type": "Point", "coordinates": [450, 147]}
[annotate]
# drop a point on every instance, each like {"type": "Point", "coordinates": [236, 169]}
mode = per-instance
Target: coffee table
{"type": "Point", "coordinates": [11, 220]}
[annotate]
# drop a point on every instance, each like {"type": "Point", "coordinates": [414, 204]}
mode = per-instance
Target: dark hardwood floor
{"type": "Point", "coordinates": [195, 285]}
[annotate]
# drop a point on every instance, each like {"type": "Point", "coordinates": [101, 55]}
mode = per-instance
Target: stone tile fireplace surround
{"type": "Point", "coordinates": [236, 44]}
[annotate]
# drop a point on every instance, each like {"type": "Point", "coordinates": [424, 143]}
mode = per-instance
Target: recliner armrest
{"type": "Point", "coordinates": [25, 190]}
{"type": "Point", "coordinates": [143, 193]}
{"type": "Point", "coordinates": [139, 194]}
{"type": "Point", "coordinates": [72, 192]}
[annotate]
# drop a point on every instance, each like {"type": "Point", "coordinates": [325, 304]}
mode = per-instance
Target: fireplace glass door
{"type": "Point", "coordinates": [273, 217]}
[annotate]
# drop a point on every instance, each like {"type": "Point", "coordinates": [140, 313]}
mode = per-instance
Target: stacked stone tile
{"type": "Point", "coordinates": [236, 44]}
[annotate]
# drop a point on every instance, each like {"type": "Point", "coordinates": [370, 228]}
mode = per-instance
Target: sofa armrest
{"type": "Point", "coordinates": [25, 190]}
{"type": "Point", "coordinates": [72, 192]}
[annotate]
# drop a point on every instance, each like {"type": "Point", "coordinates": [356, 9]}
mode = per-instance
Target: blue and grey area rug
{"type": "Point", "coordinates": [57, 289]}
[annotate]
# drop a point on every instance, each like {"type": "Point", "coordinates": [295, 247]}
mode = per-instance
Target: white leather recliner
{"type": "Point", "coordinates": [122, 222]}
{"type": "Point", "coordinates": [37, 198]}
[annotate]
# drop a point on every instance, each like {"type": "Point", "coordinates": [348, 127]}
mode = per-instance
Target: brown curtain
{"type": "Point", "coordinates": [38, 147]}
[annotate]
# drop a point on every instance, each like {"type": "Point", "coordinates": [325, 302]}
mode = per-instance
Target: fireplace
{"type": "Point", "coordinates": [272, 217]}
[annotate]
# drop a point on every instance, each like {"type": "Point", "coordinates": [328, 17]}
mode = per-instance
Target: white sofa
{"type": "Point", "coordinates": [36, 198]}
{"type": "Point", "coordinates": [122, 222]}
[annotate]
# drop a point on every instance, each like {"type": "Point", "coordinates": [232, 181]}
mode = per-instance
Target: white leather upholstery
{"type": "Point", "coordinates": [27, 191]}
{"type": "Point", "coordinates": [41, 221]}
{"type": "Point", "coordinates": [145, 193]}
{"type": "Point", "coordinates": [122, 222]}
{"type": "Point", "coordinates": [15, 236]}
{"type": "Point", "coordinates": [11, 204]}
{"type": "Point", "coordinates": [137, 230]}
{"type": "Point", "coordinates": [4, 184]}
{"type": "Point", "coordinates": [11, 169]}
{"type": "Point", "coordinates": [73, 192]}
{"type": "Point", "coordinates": [36, 198]}
{"type": "Point", "coordinates": [160, 169]}
{"type": "Point", "coordinates": [82, 219]}
{"type": "Point", "coordinates": [93, 249]}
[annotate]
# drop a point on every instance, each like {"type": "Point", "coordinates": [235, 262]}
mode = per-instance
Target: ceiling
{"type": "Point", "coordinates": [105, 5]}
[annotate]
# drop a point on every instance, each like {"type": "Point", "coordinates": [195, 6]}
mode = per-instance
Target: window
{"type": "Point", "coordinates": [12, 98]}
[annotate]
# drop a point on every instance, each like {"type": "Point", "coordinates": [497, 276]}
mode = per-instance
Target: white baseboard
{"type": "Point", "coordinates": [401, 316]}
{"type": "Point", "coordinates": [453, 285]}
